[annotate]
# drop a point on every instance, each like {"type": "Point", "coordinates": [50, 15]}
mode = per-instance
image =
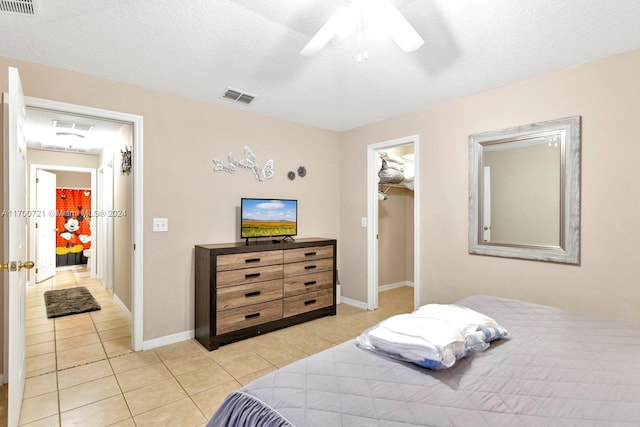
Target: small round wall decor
{"type": "Point", "coordinates": [302, 171]}
{"type": "Point", "coordinates": [291, 175]}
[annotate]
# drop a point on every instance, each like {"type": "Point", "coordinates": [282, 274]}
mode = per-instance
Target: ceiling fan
{"type": "Point", "coordinates": [371, 19]}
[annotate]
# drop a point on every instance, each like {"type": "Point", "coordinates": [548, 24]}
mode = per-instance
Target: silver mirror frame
{"type": "Point", "coordinates": [568, 250]}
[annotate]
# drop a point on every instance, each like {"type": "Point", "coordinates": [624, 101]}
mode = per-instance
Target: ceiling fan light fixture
{"type": "Point", "coordinates": [399, 29]}
{"type": "Point", "coordinates": [372, 19]}
{"type": "Point", "coordinates": [325, 34]}
{"type": "Point", "coordinates": [346, 21]}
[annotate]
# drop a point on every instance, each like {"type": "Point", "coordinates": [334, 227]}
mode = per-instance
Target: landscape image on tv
{"type": "Point", "coordinates": [267, 218]}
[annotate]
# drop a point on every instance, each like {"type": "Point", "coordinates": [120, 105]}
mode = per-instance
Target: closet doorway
{"type": "Point", "coordinates": [402, 188]}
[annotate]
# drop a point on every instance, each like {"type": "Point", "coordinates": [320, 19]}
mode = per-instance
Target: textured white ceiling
{"type": "Point", "coordinates": [198, 48]}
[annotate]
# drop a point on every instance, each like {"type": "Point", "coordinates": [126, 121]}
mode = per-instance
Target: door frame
{"type": "Point", "coordinates": [33, 168]}
{"type": "Point", "coordinates": [137, 231]}
{"type": "Point", "coordinates": [372, 213]}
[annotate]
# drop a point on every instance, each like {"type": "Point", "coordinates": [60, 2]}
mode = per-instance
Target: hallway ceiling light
{"type": "Point", "coordinates": [371, 20]}
{"type": "Point", "coordinates": [78, 127]}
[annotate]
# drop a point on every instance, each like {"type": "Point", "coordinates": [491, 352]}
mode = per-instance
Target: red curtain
{"type": "Point", "coordinates": [73, 225]}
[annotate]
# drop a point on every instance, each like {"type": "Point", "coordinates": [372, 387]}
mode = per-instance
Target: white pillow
{"type": "Point", "coordinates": [434, 336]}
{"type": "Point", "coordinates": [431, 343]}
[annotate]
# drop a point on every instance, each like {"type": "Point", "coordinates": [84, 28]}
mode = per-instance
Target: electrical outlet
{"type": "Point", "coordinates": [160, 224]}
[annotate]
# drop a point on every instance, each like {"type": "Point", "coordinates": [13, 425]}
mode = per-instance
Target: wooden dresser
{"type": "Point", "coordinates": [245, 290]}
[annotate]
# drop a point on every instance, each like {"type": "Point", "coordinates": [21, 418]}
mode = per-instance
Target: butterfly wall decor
{"type": "Point", "coordinates": [249, 162]}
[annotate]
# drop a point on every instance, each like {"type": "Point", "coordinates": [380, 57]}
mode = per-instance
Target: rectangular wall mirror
{"type": "Point", "coordinates": [524, 192]}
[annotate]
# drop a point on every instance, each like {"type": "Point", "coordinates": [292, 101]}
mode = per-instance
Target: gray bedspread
{"type": "Point", "coordinates": [556, 369]}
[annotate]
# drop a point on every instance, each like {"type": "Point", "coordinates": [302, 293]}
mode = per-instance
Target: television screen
{"type": "Point", "coordinates": [268, 217]}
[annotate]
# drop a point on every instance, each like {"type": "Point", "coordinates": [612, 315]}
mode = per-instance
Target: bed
{"type": "Point", "coordinates": [555, 368]}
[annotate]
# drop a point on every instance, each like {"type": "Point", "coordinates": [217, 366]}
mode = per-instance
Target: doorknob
{"type": "Point", "coordinates": [28, 265]}
{"type": "Point", "coordinates": [17, 266]}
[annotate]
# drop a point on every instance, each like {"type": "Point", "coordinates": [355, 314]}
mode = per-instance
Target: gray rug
{"type": "Point", "coordinates": [63, 302]}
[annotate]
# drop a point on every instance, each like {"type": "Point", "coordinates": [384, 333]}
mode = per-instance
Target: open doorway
{"type": "Point", "coordinates": [393, 213]}
{"type": "Point", "coordinates": [61, 236]}
{"type": "Point", "coordinates": [116, 234]}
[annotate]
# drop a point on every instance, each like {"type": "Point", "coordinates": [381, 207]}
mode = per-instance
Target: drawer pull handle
{"type": "Point", "coordinates": [250, 260]}
{"type": "Point", "coordinates": [311, 301]}
{"type": "Point", "coordinates": [252, 275]}
{"type": "Point", "coordinates": [313, 282]}
{"type": "Point", "coordinates": [252, 294]}
{"type": "Point", "coordinates": [310, 253]}
{"type": "Point", "coordinates": [309, 267]}
{"type": "Point", "coordinates": [252, 315]}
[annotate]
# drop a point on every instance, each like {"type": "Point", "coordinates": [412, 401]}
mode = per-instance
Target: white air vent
{"type": "Point", "coordinates": [238, 96]}
{"type": "Point", "coordinates": [26, 7]}
{"type": "Point", "coordinates": [81, 127]}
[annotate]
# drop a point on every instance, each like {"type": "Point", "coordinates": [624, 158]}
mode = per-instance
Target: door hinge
{"type": "Point", "coordinates": [134, 246]}
{"type": "Point", "coordinates": [36, 225]}
{"type": "Point", "coordinates": [36, 271]}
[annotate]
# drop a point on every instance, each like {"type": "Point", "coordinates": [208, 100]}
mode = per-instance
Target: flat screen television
{"type": "Point", "coordinates": [268, 218]}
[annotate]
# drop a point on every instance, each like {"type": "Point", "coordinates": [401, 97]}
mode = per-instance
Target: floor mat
{"type": "Point", "coordinates": [63, 302]}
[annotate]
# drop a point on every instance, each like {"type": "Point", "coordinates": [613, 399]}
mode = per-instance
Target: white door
{"type": "Point", "coordinates": [15, 243]}
{"type": "Point", "coordinates": [486, 205]}
{"type": "Point", "coordinates": [45, 218]}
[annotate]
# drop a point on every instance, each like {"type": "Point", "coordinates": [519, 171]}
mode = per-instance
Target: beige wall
{"type": "Point", "coordinates": [180, 138]}
{"type": "Point", "coordinates": [41, 157]}
{"type": "Point", "coordinates": [72, 179]}
{"type": "Point", "coordinates": [607, 96]}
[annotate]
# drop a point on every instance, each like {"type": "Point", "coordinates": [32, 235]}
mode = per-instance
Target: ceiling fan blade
{"type": "Point", "coordinates": [323, 36]}
{"type": "Point", "coordinates": [400, 30]}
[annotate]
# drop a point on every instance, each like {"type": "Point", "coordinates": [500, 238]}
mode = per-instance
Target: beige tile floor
{"type": "Point", "coordinates": [81, 371]}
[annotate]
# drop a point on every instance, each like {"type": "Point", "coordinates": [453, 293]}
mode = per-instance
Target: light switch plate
{"type": "Point", "coordinates": [160, 224]}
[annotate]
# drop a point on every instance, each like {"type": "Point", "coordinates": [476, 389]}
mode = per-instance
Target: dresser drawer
{"type": "Point", "coordinates": [303, 284]}
{"type": "Point", "coordinates": [307, 302]}
{"type": "Point", "coordinates": [307, 254]}
{"type": "Point", "coordinates": [308, 267]}
{"type": "Point", "coordinates": [248, 275]}
{"type": "Point", "coordinates": [253, 293]}
{"type": "Point", "coordinates": [251, 315]}
{"type": "Point", "coordinates": [248, 259]}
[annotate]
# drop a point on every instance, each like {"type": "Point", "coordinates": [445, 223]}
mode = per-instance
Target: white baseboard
{"type": "Point", "coordinates": [123, 307]}
{"type": "Point", "coordinates": [395, 285]}
{"type": "Point", "coordinates": [353, 302]}
{"type": "Point", "coordinates": [168, 339]}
